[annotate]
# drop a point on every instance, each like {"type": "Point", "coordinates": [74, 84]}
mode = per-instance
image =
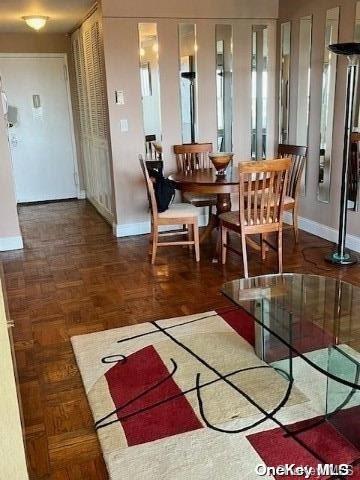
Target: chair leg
{"type": "Point", "coordinates": [223, 237]}
{"type": "Point", "coordinates": [263, 246]}
{"type": "Point", "coordinates": [244, 254]}
{"type": "Point", "coordinates": [295, 225]}
{"type": "Point", "coordinates": [280, 253]}
{"type": "Point", "coordinates": [196, 240]}
{"type": "Point", "coordinates": [190, 235]}
{"type": "Point", "coordinates": [210, 214]}
{"type": "Point", "coordinates": [154, 245]}
{"type": "Point", "coordinates": [151, 240]}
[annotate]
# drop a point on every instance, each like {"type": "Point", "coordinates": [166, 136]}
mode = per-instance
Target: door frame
{"type": "Point", "coordinates": [75, 154]}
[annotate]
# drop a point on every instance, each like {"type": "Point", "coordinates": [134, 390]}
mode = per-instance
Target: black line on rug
{"type": "Point", "coordinates": [241, 392]}
{"type": "Point", "coordinates": [177, 325]}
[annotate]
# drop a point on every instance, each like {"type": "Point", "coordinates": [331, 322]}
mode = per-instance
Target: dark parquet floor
{"type": "Point", "coordinates": [75, 277]}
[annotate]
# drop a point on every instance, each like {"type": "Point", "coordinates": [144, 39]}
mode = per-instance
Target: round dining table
{"type": "Point", "coordinates": [206, 182]}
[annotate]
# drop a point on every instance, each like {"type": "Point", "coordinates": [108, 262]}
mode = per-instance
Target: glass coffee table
{"type": "Point", "coordinates": [318, 319]}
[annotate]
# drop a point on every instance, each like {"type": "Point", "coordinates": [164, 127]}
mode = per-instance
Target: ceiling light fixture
{"type": "Point", "coordinates": [35, 21]}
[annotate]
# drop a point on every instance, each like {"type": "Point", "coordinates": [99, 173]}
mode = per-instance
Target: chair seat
{"type": "Point", "coordinates": [233, 218]}
{"type": "Point", "coordinates": [178, 210]}
{"type": "Point", "coordinates": [200, 200]}
{"type": "Point", "coordinates": [289, 202]}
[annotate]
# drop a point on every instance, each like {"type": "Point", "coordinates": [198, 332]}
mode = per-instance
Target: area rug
{"type": "Point", "coordinates": [187, 397]}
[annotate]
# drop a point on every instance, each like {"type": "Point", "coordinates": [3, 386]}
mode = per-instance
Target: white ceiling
{"type": "Point", "coordinates": [64, 14]}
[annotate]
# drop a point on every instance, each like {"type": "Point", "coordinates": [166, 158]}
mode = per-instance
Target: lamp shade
{"type": "Point", "coordinates": [189, 75]}
{"type": "Point", "coordinates": [347, 49]}
{"type": "Point", "coordinates": [35, 21]}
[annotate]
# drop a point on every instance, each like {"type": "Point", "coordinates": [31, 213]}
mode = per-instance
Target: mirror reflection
{"type": "Point", "coordinates": [285, 45]}
{"type": "Point", "coordinates": [357, 23]}
{"type": "Point", "coordinates": [354, 163]}
{"type": "Point", "coordinates": [150, 87]}
{"type": "Point", "coordinates": [188, 81]}
{"type": "Point", "coordinates": [304, 77]}
{"type": "Point", "coordinates": [259, 79]}
{"type": "Point", "coordinates": [223, 39]}
{"type": "Point", "coordinates": [327, 106]}
{"type": "Point", "coordinates": [357, 39]}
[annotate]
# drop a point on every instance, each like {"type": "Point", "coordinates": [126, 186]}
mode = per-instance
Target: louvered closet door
{"type": "Point", "coordinates": [93, 114]}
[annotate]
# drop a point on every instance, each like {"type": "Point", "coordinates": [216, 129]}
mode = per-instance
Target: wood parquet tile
{"type": "Point", "coordinates": [74, 277]}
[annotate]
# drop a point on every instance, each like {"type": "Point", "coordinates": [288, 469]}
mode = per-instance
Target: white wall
{"type": "Point", "coordinates": [10, 235]}
{"type": "Point", "coordinates": [12, 453]}
{"type": "Point", "coordinates": [191, 9]}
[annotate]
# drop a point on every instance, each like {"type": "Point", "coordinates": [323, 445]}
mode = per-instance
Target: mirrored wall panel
{"type": "Point", "coordinates": [188, 81]}
{"type": "Point", "coordinates": [327, 104]}
{"type": "Point", "coordinates": [284, 90]}
{"type": "Point", "coordinates": [354, 163]}
{"type": "Point", "coordinates": [223, 43]}
{"type": "Point", "coordinates": [150, 87]}
{"type": "Point", "coordinates": [259, 91]}
{"type": "Point", "coordinates": [304, 77]}
{"type": "Point", "coordinates": [357, 23]}
{"type": "Point", "coordinates": [357, 39]}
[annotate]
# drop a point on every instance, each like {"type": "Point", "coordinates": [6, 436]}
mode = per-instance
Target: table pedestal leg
{"type": "Point", "coordinates": [223, 205]}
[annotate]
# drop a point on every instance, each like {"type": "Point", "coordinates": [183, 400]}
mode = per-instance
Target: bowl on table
{"type": "Point", "coordinates": [221, 161]}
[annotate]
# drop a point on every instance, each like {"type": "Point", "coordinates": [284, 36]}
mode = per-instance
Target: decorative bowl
{"type": "Point", "coordinates": [221, 161]}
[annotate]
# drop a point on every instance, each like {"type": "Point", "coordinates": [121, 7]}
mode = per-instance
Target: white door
{"type": "Point", "coordinates": [41, 138]}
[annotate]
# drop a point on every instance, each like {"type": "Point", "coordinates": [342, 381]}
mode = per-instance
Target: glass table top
{"type": "Point", "coordinates": [299, 314]}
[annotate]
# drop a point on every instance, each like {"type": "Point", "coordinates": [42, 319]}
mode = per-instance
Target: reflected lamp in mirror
{"type": "Point", "coordinates": [150, 85]}
{"type": "Point", "coordinates": [259, 91]}
{"type": "Point", "coordinates": [223, 52]}
{"type": "Point", "coordinates": [354, 166]}
{"type": "Point", "coordinates": [188, 81]}
{"type": "Point", "coordinates": [327, 104]}
{"type": "Point", "coordinates": [284, 97]}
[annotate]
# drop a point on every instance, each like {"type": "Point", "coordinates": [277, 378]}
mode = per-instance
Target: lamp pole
{"type": "Point", "coordinates": [341, 256]}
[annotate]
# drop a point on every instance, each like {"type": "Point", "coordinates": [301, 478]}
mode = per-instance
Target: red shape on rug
{"type": "Point", "coordinates": [276, 448]}
{"type": "Point", "coordinates": [240, 321]}
{"type": "Point", "coordinates": [347, 421]}
{"type": "Point", "coordinates": [127, 380]}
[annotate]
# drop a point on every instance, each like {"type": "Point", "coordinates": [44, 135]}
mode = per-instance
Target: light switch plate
{"type": "Point", "coordinates": [124, 127]}
{"type": "Point", "coordinates": [119, 97]}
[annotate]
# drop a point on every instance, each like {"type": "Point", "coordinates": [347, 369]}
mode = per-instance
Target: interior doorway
{"type": "Point", "coordinates": [41, 133]}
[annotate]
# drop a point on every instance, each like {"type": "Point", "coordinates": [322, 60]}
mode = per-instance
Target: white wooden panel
{"type": "Point", "coordinates": [93, 113]}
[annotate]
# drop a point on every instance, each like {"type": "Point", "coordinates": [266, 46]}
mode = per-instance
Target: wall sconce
{"type": "Point", "coordinates": [35, 21]}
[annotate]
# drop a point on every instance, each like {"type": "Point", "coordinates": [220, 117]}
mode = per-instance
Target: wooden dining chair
{"type": "Point", "coordinates": [298, 155]}
{"type": "Point", "coordinates": [176, 214]}
{"type": "Point", "coordinates": [262, 188]}
{"type": "Point", "coordinates": [191, 157]}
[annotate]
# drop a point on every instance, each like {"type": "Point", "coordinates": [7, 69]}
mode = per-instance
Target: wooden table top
{"type": "Point", "coordinates": [205, 177]}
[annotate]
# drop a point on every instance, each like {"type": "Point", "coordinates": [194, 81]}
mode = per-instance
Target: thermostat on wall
{"type": "Point", "coordinates": [119, 97]}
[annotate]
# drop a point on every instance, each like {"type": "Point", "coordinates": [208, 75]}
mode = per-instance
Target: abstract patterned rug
{"type": "Point", "coordinates": [188, 398]}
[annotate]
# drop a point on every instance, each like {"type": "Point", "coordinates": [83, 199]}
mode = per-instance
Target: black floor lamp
{"type": "Point", "coordinates": [191, 77]}
{"type": "Point", "coordinates": [341, 256]}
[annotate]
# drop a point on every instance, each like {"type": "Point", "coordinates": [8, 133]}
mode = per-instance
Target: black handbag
{"type": "Point", "coordinates": [164, 189]}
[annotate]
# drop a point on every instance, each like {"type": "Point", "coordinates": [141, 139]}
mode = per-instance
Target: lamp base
{"type": "Point", "coordinates": [346, 259]}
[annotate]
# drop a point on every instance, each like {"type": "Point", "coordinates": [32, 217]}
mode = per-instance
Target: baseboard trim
{"type": "Point", "coordinates": [323, 231]}
{"type": "Point", "coordinates": [81, 195]}
{"type": "Point", "coordinates": [310, 226]}
{"type": "Point", "coordinates": [142, 228]}
{"type": "Point", "coordinates": [11, 243]}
